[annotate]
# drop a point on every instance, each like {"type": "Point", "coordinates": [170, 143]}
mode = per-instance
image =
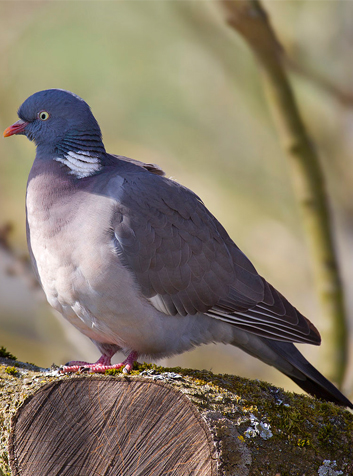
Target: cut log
{"type": "Point", "coordinates": [164, 422]}
{"type": "Point", "coordinates": [105, 426]}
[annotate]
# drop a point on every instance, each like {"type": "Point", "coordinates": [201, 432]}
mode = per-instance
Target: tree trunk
{"type": "Point", "coordinates": [164, 422]}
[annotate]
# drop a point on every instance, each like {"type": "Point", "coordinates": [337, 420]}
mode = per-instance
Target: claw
{"type": "Point", "coordinates": [102, 364]}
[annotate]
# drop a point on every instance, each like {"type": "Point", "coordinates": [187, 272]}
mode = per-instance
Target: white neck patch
{"type": "Point", "coordinates": [80, 163]}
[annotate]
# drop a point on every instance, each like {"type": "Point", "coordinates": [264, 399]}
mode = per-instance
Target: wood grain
{"type": "Point", "coordinates": [108, 427]}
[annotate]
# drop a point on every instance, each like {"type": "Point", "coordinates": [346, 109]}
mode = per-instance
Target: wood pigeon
{"type": "Point", "coordinates": [136, 262]}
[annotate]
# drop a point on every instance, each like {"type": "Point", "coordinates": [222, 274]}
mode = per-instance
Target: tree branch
{"type": "Point", "coordinates": [250, 20]}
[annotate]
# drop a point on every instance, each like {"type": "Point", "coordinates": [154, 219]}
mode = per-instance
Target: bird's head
{"type": "Point", "coordinates": [58, 121]}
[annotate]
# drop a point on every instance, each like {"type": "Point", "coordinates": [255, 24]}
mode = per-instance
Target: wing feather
{"type": "Point", "coordinates": [185, 262]}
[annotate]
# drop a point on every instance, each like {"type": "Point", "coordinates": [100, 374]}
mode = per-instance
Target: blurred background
{"type": "Point", "coordinates": [170, 84]}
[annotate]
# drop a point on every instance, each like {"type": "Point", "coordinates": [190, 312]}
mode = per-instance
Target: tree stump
{"type": "Point", "coordinates": [110, 427]}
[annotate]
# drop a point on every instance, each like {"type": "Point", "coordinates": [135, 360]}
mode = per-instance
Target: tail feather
{"type": "Point", "coordinates": [288, 360]}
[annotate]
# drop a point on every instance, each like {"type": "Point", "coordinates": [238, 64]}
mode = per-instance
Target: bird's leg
{"type": "Point", "coordinates": [102, 364]}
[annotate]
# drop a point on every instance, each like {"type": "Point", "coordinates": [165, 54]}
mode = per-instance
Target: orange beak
{"type": "Point", "coordinates": [17, 128]}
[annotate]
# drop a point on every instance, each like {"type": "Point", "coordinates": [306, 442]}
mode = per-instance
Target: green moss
{"type": "Point", "coordinates": [12, 371]}
{"type": "Point", "coordinates": [113, 371]}
{"type": "Point", "coordinates": [136, 370]}
{"type": "Point", "coordinates": [326, 433]}
{"type": "Point", "coordinates": [305, 426]}
{"type": "Point", "coordinates": [6, 354]}
{"type": "Point", "coordinates": [303, 442]}
{"type": "Point", "coordinates": [2, 473]}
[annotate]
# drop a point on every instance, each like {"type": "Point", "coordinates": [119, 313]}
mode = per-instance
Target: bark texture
{"type": "Point", "coordinates": [160, 421]}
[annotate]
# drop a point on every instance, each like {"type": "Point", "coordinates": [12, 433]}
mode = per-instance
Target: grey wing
{"type": "Point", "coordinates": [184, 262]}
{"type": "Point", "coordinates": [153, 168]}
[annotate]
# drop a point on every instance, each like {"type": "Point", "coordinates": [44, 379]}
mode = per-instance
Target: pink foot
{"type": "Point", "coordinates": [102, 364]}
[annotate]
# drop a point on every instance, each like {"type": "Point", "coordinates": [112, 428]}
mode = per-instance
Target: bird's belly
{"type": "Point", "coordinates": [108, 308]}
{"type": "Point", "coordinates": [95, 293]}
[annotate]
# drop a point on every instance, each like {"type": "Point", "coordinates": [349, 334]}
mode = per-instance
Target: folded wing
{"type": "Point", "coordinates": [185, 262]}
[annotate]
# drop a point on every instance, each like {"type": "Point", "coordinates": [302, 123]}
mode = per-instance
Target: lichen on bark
{"type": "Point", "coordinates": [257, 428]}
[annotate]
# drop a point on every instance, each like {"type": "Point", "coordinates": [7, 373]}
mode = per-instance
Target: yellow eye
{"type": "Point", "coordinates": [43, 115]}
